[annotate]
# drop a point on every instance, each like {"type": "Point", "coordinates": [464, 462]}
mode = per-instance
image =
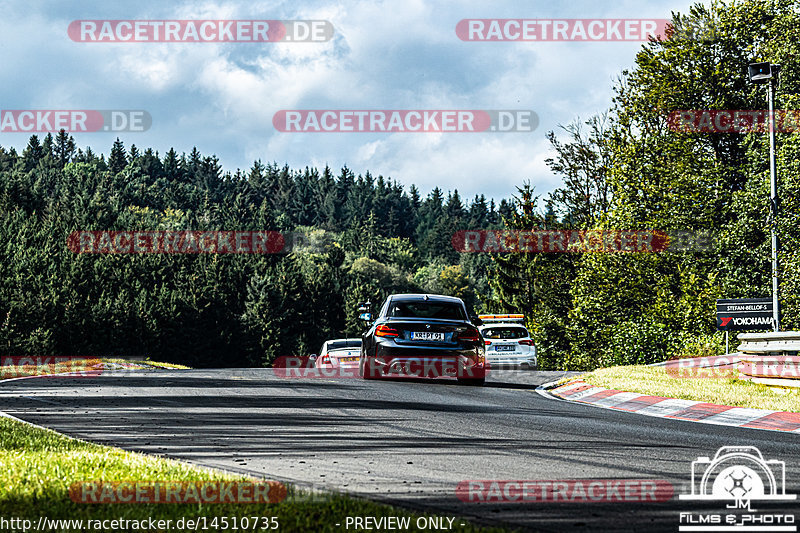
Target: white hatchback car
{"type": "Point", "coordinates": [508, 343]}
{"type": "Point", "coordinates": [336, 353]}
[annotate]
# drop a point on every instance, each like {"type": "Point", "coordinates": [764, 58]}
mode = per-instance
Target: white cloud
{"type": "Point", "coordinates": [389, 54]}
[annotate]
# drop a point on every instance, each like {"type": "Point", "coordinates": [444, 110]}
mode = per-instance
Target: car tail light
{"type": "Point", "coordinates": [385, 331]}
{"type": "Point", "coordinates": [326, 359]}
{"type": "Point", "coordinates": [526, 342]}
{"type": "Point", "coordinates": [487, 343]}
{"type": "Point", "coordinates": [470, 334]}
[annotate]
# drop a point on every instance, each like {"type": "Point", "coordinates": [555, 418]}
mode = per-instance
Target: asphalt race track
{"type": "Point", "coordinates": [404, 442]}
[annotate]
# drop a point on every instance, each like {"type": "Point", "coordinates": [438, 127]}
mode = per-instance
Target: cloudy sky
{"type": "Point", "coordinates": [402, 54]}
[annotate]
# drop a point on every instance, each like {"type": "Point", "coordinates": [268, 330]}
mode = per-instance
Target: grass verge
{"type": "Point", "coordinates": [38, 466]}
{"type": "Point", "coordinates": [17, 367]}
{"type": "Point", "coordinates": [656, 381]}
{"type": "Point", "coordinates": [146, 363]}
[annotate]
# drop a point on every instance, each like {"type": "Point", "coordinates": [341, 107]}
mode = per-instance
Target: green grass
{"type": "Point", "coordinates": [14, 367]}
{"type": "Point", "coordinates": [87, 364]}
{"type": "Point", "coordinates": [148, 363]}
{"type": "Point", "coordinates": [656, 381]}
{"type": "Point", "coordinates": [38, 466]}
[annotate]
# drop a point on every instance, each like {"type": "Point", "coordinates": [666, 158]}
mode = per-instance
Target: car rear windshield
{"type": "Point", "coordinates": [350, 343]}
{"type": "Point", "coordinates": [444, 310]}
{"type": "Point", "coordinates": [505, 333]}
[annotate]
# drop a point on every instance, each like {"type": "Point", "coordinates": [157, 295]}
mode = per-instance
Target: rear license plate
{"type": "Point", "coordinates": [426, 336]}
{"type": "Point", "coordinates": [504, 348]}
{"type": "Point", "coordinates": [348, 359]}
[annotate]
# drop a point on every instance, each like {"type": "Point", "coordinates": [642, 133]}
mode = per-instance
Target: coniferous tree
{"type": "Point", "coordinates": [117, 160]}
{"type": "Point", "coordinates": [64, 148]}
{"type": "Point", "coordinates": [32, 154]}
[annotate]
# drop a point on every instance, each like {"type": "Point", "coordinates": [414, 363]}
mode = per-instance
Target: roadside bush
{"type": "Point", "coordinates": [636, 342]}
{"type": "Point", "coordinates": [549, 336]}
{"type": "Point", "coordinates": [702, 346]}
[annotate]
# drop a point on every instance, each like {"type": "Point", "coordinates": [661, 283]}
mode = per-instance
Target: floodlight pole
{"type": "Point", "coordinates": [773, 197]}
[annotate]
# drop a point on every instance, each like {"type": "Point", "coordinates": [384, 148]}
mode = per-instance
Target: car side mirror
{"type": "Point", "coordinates": [366, 317]}
{"type": "Point", "coordinates": [475, 320]}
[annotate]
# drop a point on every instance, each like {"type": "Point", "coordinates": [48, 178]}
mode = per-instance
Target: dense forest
{"type": "Point", "coordinates": [365, 237]}
{"type": "Point", "coordinates": [626, 169]}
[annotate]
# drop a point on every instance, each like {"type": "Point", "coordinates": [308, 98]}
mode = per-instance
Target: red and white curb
{"type": "Point", "coordinates": [706, 413]}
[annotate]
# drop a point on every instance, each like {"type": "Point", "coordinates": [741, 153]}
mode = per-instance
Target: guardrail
{"type": "Point", "coordinates": [770, 358]}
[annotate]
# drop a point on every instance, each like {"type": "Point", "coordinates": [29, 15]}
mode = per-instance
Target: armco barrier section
{"type": "Point", "coordinates": [770, 358]}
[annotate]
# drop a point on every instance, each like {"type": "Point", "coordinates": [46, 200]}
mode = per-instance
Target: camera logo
{"type": "Point", "coordinates": [738, 473]}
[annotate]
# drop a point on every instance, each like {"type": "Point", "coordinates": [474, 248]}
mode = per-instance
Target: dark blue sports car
{"type": "Point", "coordinates": [423, 335]}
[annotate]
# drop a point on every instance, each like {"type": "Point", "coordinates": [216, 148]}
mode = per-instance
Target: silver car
{"type": "Point", "coordinates": [508, 343]}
